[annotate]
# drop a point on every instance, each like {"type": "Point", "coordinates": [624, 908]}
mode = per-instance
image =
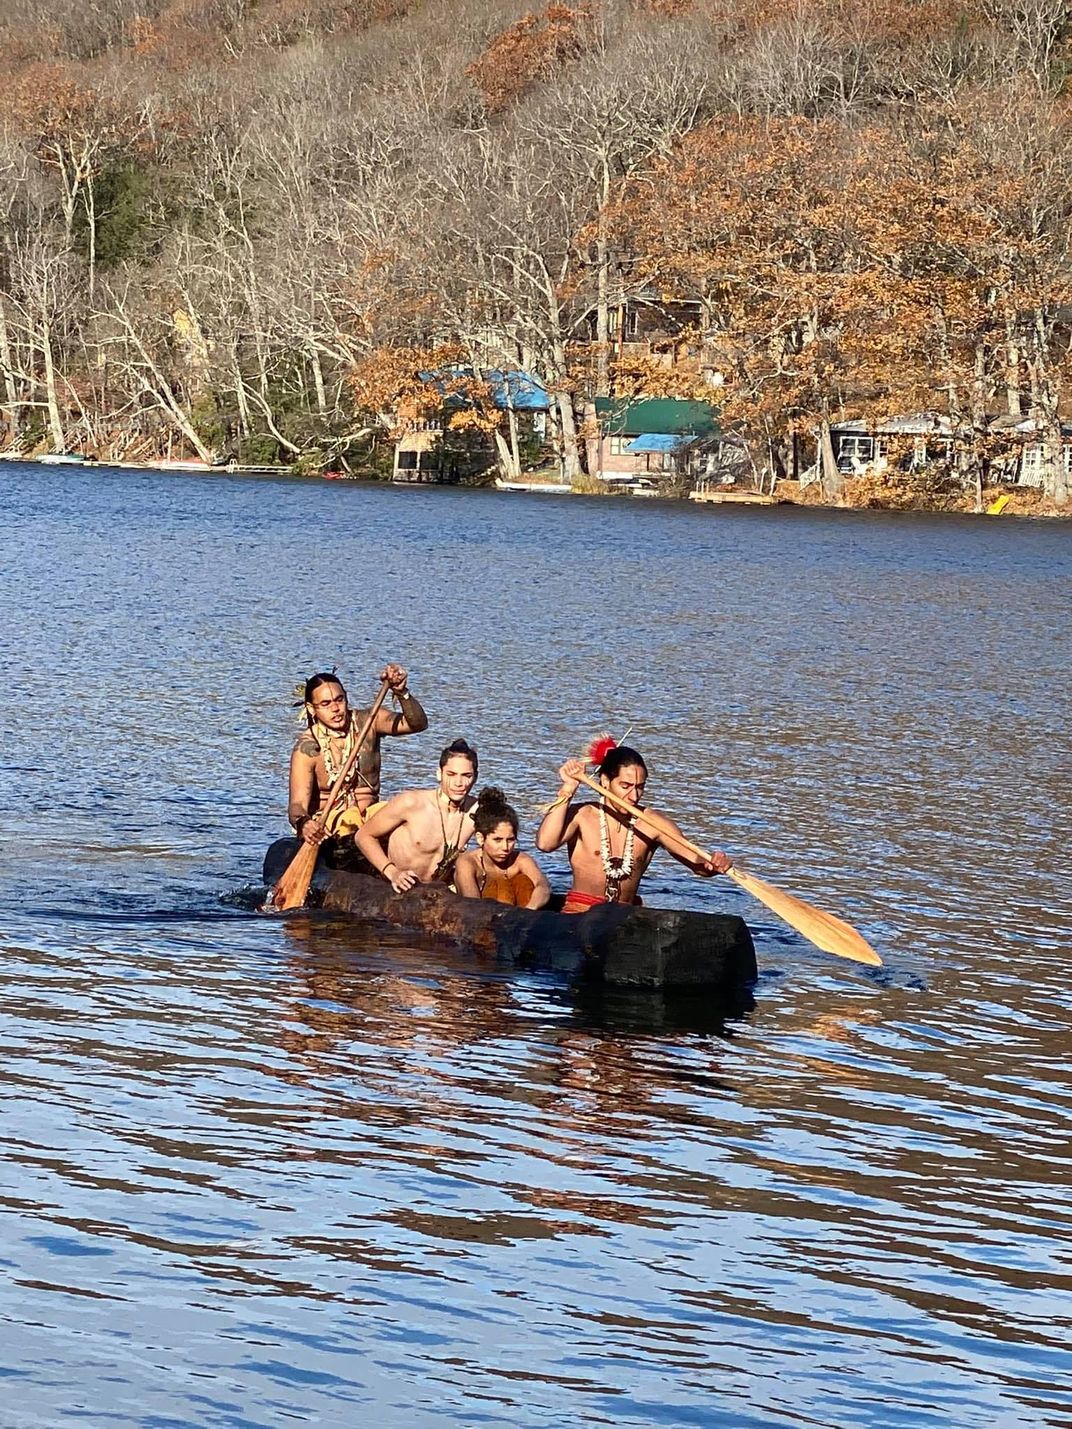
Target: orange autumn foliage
{"type": "Point", "coordinates": [66, 119]}
{"type": "Point", "coordinates": [407, 387]}
{"type": "Point", "coordinates": [44, 99]}
{"type": "Point", "coordinates": [529, 52]}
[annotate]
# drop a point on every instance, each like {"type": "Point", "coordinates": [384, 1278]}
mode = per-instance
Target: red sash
{"type": "Point", "coordinates": [581, 902]}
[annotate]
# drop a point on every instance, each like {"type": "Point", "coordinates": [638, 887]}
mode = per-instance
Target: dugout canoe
{"type": "Point", "coordinates": [614, 944]}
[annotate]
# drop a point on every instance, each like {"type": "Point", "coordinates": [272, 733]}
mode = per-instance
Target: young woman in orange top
{"type": "Point", "coordinates": [498, 870]}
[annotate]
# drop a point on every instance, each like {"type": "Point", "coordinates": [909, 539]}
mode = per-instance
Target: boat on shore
{"type": "Point", "coordinates": [62, 459]}
{"type": "Point", "coordinates": [549, 488]}
{"type": "Point", "coordinates": [614, 944]}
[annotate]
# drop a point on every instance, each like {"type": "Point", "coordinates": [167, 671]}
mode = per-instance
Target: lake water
{"type": "Point", "coordinates": [262, 1171]}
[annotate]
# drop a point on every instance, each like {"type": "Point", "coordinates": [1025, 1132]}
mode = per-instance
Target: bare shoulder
{"type": "Point", "coordinates": [389, 816]}
{"type": "Point", "coordinates": [405, 802]}
{"type": "Point", "coordinates": [307, 746]}
{"type": "Point", "coordinates": [650, 832]}
{"type": "Point", "coordinates": [466, 860]}
{"type": "Point", "coordinates": [526, 864]}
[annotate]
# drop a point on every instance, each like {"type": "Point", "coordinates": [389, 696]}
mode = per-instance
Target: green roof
{"type": "Point", "coordinates": [620, 418]}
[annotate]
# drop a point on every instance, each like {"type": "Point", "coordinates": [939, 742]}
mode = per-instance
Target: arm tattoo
{"type": "Point", "coordinates": [308, 746]}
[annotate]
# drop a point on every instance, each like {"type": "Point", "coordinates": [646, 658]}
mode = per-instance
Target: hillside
{"type": "Point", "coordinates": [248, 228]}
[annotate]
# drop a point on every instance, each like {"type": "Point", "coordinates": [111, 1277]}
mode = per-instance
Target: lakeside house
{"type": "Point", "coordinates": [431, 450]}
{"type": "Point", "coordinates": [913, 440]}
{"type": "Point", "coordinates": [1030, 468]}
{"type": "Point", "coordinates": [655, 439]}
{"type": "Point", "coordinates": [651, 325]}
{"type": "Point", "coordinates": [923, 439]}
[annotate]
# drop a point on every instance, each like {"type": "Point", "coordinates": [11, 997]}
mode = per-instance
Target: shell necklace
{"type": "Point", "coordinates": [324, 736]}
{"type": "Point", "coordinates": [615, 870]}
{"type": "Point", "coordinates": [332, 766]}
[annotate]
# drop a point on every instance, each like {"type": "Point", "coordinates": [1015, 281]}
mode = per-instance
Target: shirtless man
{"type": "Point", "coordinates": [321, 750]}
{"type": "Point", "coordinates": [609, 852]}
{"type": "Point", "coordinates": [417, 836]}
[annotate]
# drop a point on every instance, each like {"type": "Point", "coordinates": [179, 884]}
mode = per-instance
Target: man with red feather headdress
{"type": "Point", "coordinates": [609, 852]}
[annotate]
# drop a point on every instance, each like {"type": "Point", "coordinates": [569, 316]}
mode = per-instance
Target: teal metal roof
{"type": "Point", "coordinates": [650, 416]}
{"type": "Point", "coordinates": [513, 388]}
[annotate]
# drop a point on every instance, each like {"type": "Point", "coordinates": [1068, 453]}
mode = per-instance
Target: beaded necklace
{"type": "Point", "coordinates": [444, 869]}
{"type": "Point", "coordinates": [615, 870]}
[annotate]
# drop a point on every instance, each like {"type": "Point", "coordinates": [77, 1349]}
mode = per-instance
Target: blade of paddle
{"type": "Point", "coordinates": [831, 934]}
{"type": "Point", "coordinates": [825, 930]}
{"type": "Point", "coordinates": [293, 887]}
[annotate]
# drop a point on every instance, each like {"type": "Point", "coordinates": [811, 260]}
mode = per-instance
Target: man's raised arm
{"type": "Point", "coordinates": [557, 825]}
{"type": "Point", "coordinates": [412, 719]}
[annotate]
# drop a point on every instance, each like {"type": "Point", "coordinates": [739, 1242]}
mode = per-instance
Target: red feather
{"type": "Point", "coordinates": [600, 748]}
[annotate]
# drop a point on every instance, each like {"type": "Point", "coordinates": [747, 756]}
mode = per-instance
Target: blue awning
{"type": "Point", "coordinates": [656, 442]}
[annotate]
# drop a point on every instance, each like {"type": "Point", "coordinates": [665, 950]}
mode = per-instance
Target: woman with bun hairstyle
{"type": "Point", "coordinates": [498, 870]}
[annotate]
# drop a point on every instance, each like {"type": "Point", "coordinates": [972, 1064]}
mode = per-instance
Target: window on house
{"type": "Point", "coordinates": [854, 451]}
{"type": "Point", "coordinates": [618, 445]}
{"type": "Point", "coordinates": [407, 461]}
{"type": "Point", "coordinates": [623, 320]}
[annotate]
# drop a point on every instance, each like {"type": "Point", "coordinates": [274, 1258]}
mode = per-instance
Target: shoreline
{"type": "Point", "coordinates": [1023, 502]}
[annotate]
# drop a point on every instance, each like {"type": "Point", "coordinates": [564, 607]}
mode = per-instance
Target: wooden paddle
{"type": "Point", "coordinates": [293, 887]}
{"type": "Point", "coordinates": [826, 931]}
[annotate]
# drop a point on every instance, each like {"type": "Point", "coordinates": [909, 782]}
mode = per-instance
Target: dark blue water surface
{"type": "Point", "coordinates": [262, 1171]}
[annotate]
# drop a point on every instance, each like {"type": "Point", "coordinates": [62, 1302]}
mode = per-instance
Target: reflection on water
{"type": "Point", "coordinates": [262, 1170]}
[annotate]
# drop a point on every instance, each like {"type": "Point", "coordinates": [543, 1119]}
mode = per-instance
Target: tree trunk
{"type": "Point", "coordinates": [833, 483]}
{"type": "Point", "coordinates": [1013, 402]}
{"type": "Point", "coordinates": [593, 446]}
{"type": "Point", "coordinates": [318, 382]}
{"type": "Point", "coordinates": [244, 426]}
{"type": "Point", "coordinates": [1054, 476]}
{"type": "Point", "coordinates": [91, 232]}
{"type": "Point", "coordinates": [10, 407]}
{"type": "Point", "coordinates": [1044, 380]}
{"type": "Point", "coordinates": [509, 465]}
{"type": "Point", "coordinates": [977, 453]}
{"type": "Point", "coordinates": [265, 408]}
{"type": "Point", "coordinates": [603, 296]}
{"type": "Point", "coordinates": [160, 390]}
{"type": "Point", "coordinates": [55, 422]}
{"type": "Point", "coordinates": [571, 454]}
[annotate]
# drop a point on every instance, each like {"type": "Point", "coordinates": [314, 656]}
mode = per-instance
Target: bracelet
{"type": "Point", "coordinates": [389, 864]}
{"type": "Point", "coordinates": [403, 695]}
{"type": "Point", "coordinates": [300, 822]}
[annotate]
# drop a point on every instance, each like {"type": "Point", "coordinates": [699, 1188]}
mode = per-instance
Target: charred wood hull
{"type": "Point", "coordinates": [613, 943]}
